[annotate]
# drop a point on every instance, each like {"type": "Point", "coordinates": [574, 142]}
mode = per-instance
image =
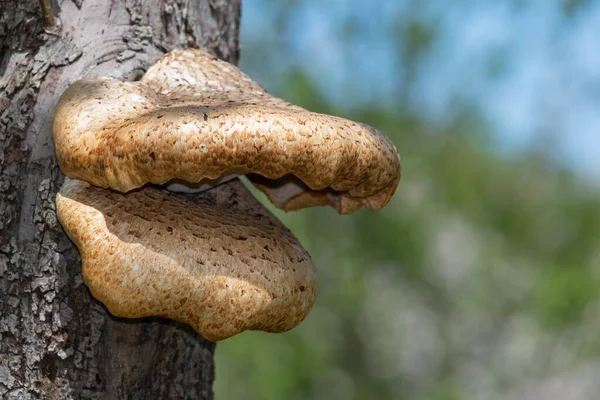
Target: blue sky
{"type": "Point", "coordinates": [532, 71]}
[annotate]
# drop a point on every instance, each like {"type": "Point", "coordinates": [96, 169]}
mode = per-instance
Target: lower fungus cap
{"type": "Point", "coordinates": [218, 261]}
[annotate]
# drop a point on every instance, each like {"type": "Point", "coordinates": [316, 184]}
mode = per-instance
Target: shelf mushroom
{"type": "Point", "coordinates": [217, 260]}
{"type": "Point", "coordinates": [194, 117]}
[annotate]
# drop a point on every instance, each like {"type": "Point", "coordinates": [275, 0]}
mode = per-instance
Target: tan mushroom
{"type": "Point", "coordinates": [193, 117]}
{"type": "Point", "coordinates": [219, 261]}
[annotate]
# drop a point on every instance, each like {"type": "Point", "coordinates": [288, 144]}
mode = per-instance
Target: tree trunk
{"type": "Point", "coordinates": [56, 341]}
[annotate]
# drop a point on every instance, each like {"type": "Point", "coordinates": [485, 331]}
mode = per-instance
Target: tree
{"type": "Point", "coordinates": [55, 340]}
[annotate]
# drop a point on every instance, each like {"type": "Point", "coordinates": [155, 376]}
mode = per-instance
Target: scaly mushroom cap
{"type": "Point", "coordinates": [194, 117]}
{"type": "Point", "coordinates": [218, 261]}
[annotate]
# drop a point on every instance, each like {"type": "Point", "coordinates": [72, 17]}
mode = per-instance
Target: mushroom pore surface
{"type": "Point", "coordinates": [194, 117]}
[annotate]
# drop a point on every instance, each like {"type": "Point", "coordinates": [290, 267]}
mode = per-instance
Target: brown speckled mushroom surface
{"type": "Point", "coordinates": [218, 261]}
{"type": "Point", "coordinates": [194, 117]}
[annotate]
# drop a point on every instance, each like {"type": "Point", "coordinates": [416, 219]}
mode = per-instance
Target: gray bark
{"type": "Point", "coordinates": [56, 341]}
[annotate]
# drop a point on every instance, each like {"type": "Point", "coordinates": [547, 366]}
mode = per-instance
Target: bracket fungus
{"type": "Point", "coordinates": [194, 117]}
{"type": "Point", "coordinates": [216, 260]}
{"type": "Point", "coordinates": [219, 262]}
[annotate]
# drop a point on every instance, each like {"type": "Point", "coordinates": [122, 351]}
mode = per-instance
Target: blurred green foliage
{"type": "Point", "coordinates": [478, 280]}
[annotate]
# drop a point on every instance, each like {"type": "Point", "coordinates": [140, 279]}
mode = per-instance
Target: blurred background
{"type": "Point", "coordinates": [481, 278]}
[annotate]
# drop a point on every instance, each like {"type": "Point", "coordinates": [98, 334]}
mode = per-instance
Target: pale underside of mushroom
{"type": "Point", "coordinates": [181, 186]}
{"type": "Point", "coordinates": [194, 118]}
{"type": "Point", "coordinates": [218, 261]}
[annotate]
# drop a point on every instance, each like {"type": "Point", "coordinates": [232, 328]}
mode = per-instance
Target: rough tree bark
{"type": "Point", "coordinates": [55, 340]}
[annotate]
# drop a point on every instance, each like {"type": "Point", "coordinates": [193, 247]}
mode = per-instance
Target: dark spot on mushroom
{"type": "Point", "coordinates": [169, 229]}
{"type": "Point", "coordinates": [240, 238]}
{"type": "Point", "coordinates": [205, 117]}
{"type": "Point", "coordinates": [153, 156]}
{"type": "Point", "coordinates": [142, 217]}
{"type": "Point", "coordinates": [302, 288]}
{"type": "Point", "coordinates": [266, 248]}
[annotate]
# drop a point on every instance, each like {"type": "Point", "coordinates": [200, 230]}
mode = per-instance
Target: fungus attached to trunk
{"type": "Point", "coordinates": [218, 260]}
{"type": "Point", "coordinates": [194, 117]}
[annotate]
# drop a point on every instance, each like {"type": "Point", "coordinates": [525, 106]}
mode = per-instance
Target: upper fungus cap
{"type": "Point", "coordinates": [193, 117]}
